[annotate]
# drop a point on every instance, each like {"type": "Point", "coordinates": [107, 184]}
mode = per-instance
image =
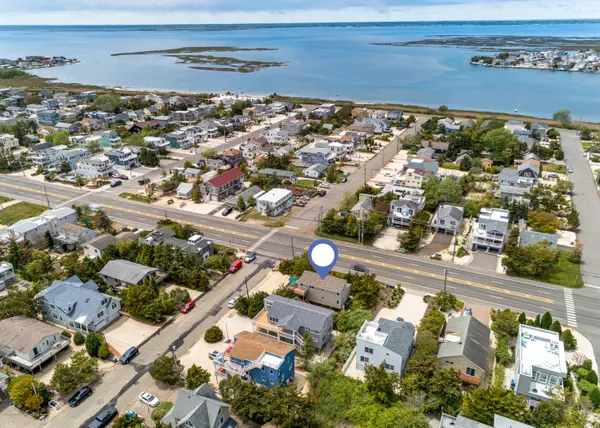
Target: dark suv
{"type": "Point", "coordinates": [128, 355]}
{"type": "Point", "coordinates": [79, 396]}
{"type": "Point", "coordinates": [359, 268]}
{"type": "Point", "coordinates": [103, 418]}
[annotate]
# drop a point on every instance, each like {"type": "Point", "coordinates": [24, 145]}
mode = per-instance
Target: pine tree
{"type": "Point", "coordinates": [523, 318]}
{"type": "Point", "coordinates": [556, 327]}
{"type": "Point", "coordinates": [537, 321]}
{"type": "Point", "coordinates": [546, 321]}
{"type": "Point", "coordinates": [569, 340]}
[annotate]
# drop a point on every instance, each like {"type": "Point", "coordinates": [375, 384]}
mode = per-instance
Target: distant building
{"type": "Point", "coordinates": [95, 166]}
{"type": "Point", "coordinates": [199, 408]}
{"type": "Point", "coordinates": [226, 184]}
{"type": "Point", "coordinates": [315, 171]}
{"type": "Point", "coordinates": [70, 236]}
{"type": "Point", "coordinates": [8, 142]}
{"type": "Point", "coordinates": [384, 342]}
{"type": "Point", "coordinates": [540, 364]}
{"type": "Point", "coordinates": [403, 210]}
{"type": "Point", "coordinates": [331, 292]}
{"type": "Point", "coordinates": [280, 174]}
{"type": "Point", "coordinates": [324, 111]}
{"type": "Point", "coordinates": [78, 306]}
{"type": "Point", "coordinates": [34, 229]}
{"type": "Point", "coordinates": [464, 348]}
{"type": "Point", "coordinates": [257, 358]}
{"type": "Point", "coordinates": [122, 273]}
{"type": "Point", "coordinates": [528, 237]}
{"type": "Point", "coordinates": [288, 320]}
{"type": "Point", "coordinates": [95, 247]}
{"type": "Point", "coordinates": [490, 230]}
{"type": "Point", "coordinates": [7, 275]}
{"type": "Point", "coordinates": [275, 202]}
{"type": "Point", "coordinates": [123, 157]}
{"type": "Point", "coordinates": [316, 155]}
{"type": "Point", "coordinates": [448, 421]}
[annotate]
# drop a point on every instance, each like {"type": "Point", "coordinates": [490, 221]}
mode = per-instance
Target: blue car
{"type": "Point", "coordinates": [227, 211]}
{"type": "Point", "coordinates": [128, 355]}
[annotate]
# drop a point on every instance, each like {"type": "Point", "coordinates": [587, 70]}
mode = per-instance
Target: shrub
{"type": "Point", "coordinates": [460, 304]}
{"type": "Point", "coordinates": [594, 396]}
{"type": "Point", "coordinates": [462, 252]}
{"type": "Point", "coordinates": [586, 386]}
{"type": "Point", "coordinates": [161, 410]}
{"type": "Point", "coordinates": [196, 376]}
{"type": "Point", "coordinates": [65, 334]}
{"type": "Point", "coordinates": [502, 353]}
{"type": "Point", "coordinates": [592, 377]}
{"type": "Point", "coordinates": [522, 318]}
{"type": "Point", "coordinates": [92, 344]}
{"type": "Point", "coordinates": [499, 375]}
{"type": "Point", "coordinates": [213, 334]}
{"type": "Point", "coordinates": [569, 340]}
{"type": "Point", "coordinates": [581, 373]}
{"type": "Point", "coordinates": [556, 327]}
{"type": "Point", "coordinates": [546, 321]}
{"type": "Point", "coordinates": [445, 301]}
{"type": "Point", "coordinates": [587, 364]}
{"type": "Point", "coordinates": [78, 339]}
{"type": "Point", "coordinates": [103, 351]}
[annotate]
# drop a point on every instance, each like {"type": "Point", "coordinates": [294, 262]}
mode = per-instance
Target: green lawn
{"type": "Point", "coordinates": [586, 146]}
{"type": "Point", "coordinates": [135, 197]}
{"type": "Point", "coordinates": [4, 199]}
{"type": "Point", "coordinates": [306, 183]}
{"type": "Point", "coordinates": [550, 167]}
{"type": "Point", "coordinates": [567, 274]}
{"type": "Point", "coordinates": [20, 211]}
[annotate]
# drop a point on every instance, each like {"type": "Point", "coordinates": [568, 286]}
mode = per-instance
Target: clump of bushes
{"type": "Point", "coordinates": [78, 339]}
{"type": "Point", "coordinates": [462, 252]}
{"type": "Point", "coordinates": [213, 334]}
{"type": "Point", "coordinates": [394, 299]}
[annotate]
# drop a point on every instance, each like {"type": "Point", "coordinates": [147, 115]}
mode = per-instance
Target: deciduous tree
{"type": "Point", "coordinates": [165, 370]}
{"type": "Point", "coordinates": [483, 403]}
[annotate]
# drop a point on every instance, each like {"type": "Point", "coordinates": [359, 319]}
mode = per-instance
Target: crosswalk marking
{"type": "Point", "coordinates": [570, 307]}
{"type": "Point", "coordinates": [262, 240]}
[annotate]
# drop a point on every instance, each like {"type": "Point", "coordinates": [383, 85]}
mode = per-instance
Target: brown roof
{"type": "Point", "coordinates": [230, 152]}
{"type": "Point", "coordinates": [532, 162]}
{"type": "Point", "coordinates": [330, 283]}
{"type": "Point", "coordinates": [226, 177]}
{"type": "Point", "coordinates": [148, 124]}
{"type": "Point", "coordinates": [23, 334]}
{"type": "Point", "coordinates": [250, 346]}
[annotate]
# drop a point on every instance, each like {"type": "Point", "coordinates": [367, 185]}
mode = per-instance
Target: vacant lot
{"type": "Point", "coordinates": [20, 211]}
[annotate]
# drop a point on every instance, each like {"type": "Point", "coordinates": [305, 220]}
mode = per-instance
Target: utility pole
{"type": "Point", "coordinates": [46, 193]}
{"type": "Point", "coordinates": [3, 213]}
{"type": "Point", "coordinates": [166, 218]}
{"type": "Point", "coordinates": [454, 249]}
{"type": "Point", "coordinates": [246, 282]}
{"type": "Point", "coordinates": [293, 253]}
{"type": "Point", "coordinates": [445, 278]}
{"type": "Point", "coordinates": [320, 217]}
{"type": "Point", "coordinates": [173, 349]}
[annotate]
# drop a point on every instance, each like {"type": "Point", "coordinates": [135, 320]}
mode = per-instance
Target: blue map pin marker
{"type": "Point", "coordinates": [323, 255]}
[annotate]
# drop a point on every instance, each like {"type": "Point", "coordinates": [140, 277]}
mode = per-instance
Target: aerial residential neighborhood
{"type": "Point", "coordinates": [154, 267]}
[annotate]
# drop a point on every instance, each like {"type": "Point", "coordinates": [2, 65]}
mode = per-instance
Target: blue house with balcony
{"type": "Point", "coordinates": [48, 117]}
{"type": "Point", "coordinates": [257, 358]}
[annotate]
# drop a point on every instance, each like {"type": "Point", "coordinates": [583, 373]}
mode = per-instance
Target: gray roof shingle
{"type": "Point", "coordinates": [126, 271]}
{"type": "Point", "coordinates": [330, 283]}
{"type": "Point", "coordinates": [101, 242]}
{"type": "Point", "coordinates": [200, 407]}
{"type": "Point", "coordinates": [23, 334]}
{"type": "Point", "coordinates": [294, 314]}
{"type": "Point", "coordinates": [456, 212]}
{"type": "Point", "coordinates": [400, 336]}
{"type": "Point", "coordinates": [474, 340]}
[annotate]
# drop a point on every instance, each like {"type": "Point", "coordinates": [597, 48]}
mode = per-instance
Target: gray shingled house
{"type": "Point", "coordinates": [464, 348]}
{"type": "Point", "coordinates": [331, 292]}
{"type": "Point", "coordinates": [123, 273]}
{"type": "Point", "coordinates": [78, 306]}
{"type": "Point", "coordinates": [199, 408]}
{"type": "Point", "coordinates": [448, 218]}
{"type": "Point", "coordinates": [287, 320]}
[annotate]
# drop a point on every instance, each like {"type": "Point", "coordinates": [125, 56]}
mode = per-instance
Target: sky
{"type": "Point", "coordinates": [94, 12]}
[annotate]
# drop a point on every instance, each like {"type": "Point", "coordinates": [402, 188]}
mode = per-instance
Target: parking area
{"type": "Point", "coordinates": [440, 242]}
{"type": "Point", "coordinates": [127, 332]}
{"type": "Point", "coordinates": [485, 261]}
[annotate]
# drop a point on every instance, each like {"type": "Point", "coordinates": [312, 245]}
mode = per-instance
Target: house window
{"type": "Point", "coordinates": [100, 314]}
{"type": "Point", "coordinates": [222, 419]}
{"type": "Point", "coordinates": [114, 305]}
{"type": "Point", "coordinates": [54, 315]}
{"type": "Point", "coordinates": [449, 362]}
{"type": "Point", "coordinates": [52, 306]}
{"type": "Point", "coordinates": [470, 371]}
{"type": "Point", "coordinates": [442, 222]}
{"type": "Point", "coordinates": [543, 377]}
{"type": "Point", "coordinates": [389, 367]}
{"type": "Point", "coordinates": [482, 226]}
{"type": "Point", "coordinates": [271, 371]}
{"type": "Point", "coordinates": [553, 380]}
{"type": "Point", "coordinates": [271, 382]}
{"type": "Point", "coordinates": [263, 378]}
{"type": "Point", "coordinates": [364, 359]}
{"type": "Point", "coordinates": [368, 350]}
{"type": "Point", "coordinates": [103, 302]}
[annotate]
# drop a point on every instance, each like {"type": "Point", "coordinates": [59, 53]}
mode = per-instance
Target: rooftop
{"type": "Point", "coordinates": [468, 337]}
{"type": "Point", "coordinates": [496, 214]}
{"type": "Point", "coordinates": [227, 177]}
{"type": "Point", "coordinates": [540, 348]}
{"type": "Point", "coordinates": [253, 346]}
{"type": "Point", "coordinates": [126, 271]}
{"type": "Point", "coordinates": [23, 334]}
{"type": "Point", "coordinates": [274, 195]}
{"type": "Point", "coordinates": [330, 283]}
{"type": "Point", "coordinates": [396, 336]}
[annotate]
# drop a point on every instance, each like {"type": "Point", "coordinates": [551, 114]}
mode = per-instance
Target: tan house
{"type": "Point", "coordinates": [331, 292]}
{"type": "Point", "coordinates": [486, 163]}
{"type": "Point", "coordinates": [464, 348]}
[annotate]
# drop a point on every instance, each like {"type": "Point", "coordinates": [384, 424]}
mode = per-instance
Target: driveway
{"type": "Point", "coordinates": [587, 202]}
{"type": "Point", "coordinates": [440, 242]}
{"type": "Point", "coordinates": [485, 261]}
{"type": "Point", "coordinates": [127, 332]}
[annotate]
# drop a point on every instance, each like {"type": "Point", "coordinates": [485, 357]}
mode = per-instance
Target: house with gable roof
{"type": "Point", "coordinates": [199, 408]}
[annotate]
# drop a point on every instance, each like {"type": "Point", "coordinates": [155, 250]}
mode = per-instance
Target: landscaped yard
{"type": "Point", "coordinates": [306, 183]}
{"type": "Point", "coordinates": [135, 197]}
{"type": "Point", "coordinates": [20, 211]}
{"type": "Point", "coordinates": [551, 167]}
{"type": "Point", "coordinates": [4, 199]}
{"type": "Point", "coordinates": [566, 273]}
{"type": "Point", "coordinates": [257, 217]}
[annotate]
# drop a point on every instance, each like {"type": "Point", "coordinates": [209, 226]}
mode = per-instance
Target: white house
{"type": "Point", "coordinates": [184, 190]}
{"type": "Point", "coordinates": [384, 341]}
{"type": "Point", "coordinates": [490, 230]}
{"type": "Point", "coordinates": [403, 210]}
{"type": "Point", "coordinates": [249, 150]}
{"type": "Point", "coordinates": [95, 166]}
{"type": "Point", "coordinates": [72, 156]}
{"type": "Point", "coordinates": [33, 229]}
{"type": "Point", "coordinates": [156, 142]}
{"type": "Point", "coordinates": [315, 171]}
{"type": "Point", "coordinates": [8, 142]}
{"type": "Point", "coordinates": [277, 136]}
{"type": "Point", "coordinates": [274, 202]}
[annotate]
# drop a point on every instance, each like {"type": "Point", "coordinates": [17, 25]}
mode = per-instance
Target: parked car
{"type": "Point", "coordinates": [213, 354]}
{"type": "Point", "coordinates": [324, 185]}
{"type": "Point", "coordinates": [143, 180]}
{"type": "Point", "coordinates": [123, 177]}
{"type": "Point", "coordinates": [188, 306]}
{"type": "Point", "coordinates": [226, 211]}
{"type": "Point", "coordinates": [149, 399]}
{"type": "Point", "coordinates": [235, 266]}
{"type": "Point", "coordinates": [103, 418]}
{"type": "Point", "coordinates": [128, 355]}
{"type": "Point", "coordinates": [116, 183]}
{"type": "Point", "coordinates": [250, 257]}
{"type": "Point", "coordinates": [80, 396]}
{"type": "Point", "coordinates": [53, 404]}
{"type": "Point", "coordinates": [322, 193]}
{"type": "Point", "coordinates": [344, 180]}
{"type": "Point", "coordinates": [232, 302]}
{"type": "Point", "coordinates": [468, 312]}
{"type": "Point", "coordinates": [359, 268]}
{"type": "Point", "coordinates": [45, 172]}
